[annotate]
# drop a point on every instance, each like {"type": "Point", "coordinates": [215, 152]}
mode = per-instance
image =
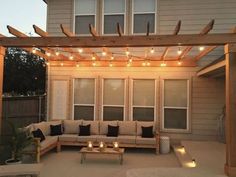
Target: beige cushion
{"type": "Point", "coordinates": [144, 124]}
{"type": "Point", "coordinates": [42, 126]}
{"type": "Point", "coordinates": [104, 126]}
{"type": "Point", "coordinates": [85, 139]}
{"type": "Point", "coordinates": [71, 126]}
{"type": "Point", "coordinates": [68, 137]}
{"type": "Point", "coordinates": [50, 140]}
{"type": "Point", "coordinates": [54, 122]}
{"type": "Point", "coordinates": [126, 139]}
{"type": "Point", "coordinates": [106, 139]}
{"type": "Point", "coordinates": [127, 127]}
{"type": "Point", "coordinates": [94, 126]}
{"type": "Point", "coordinates": [145, 141]}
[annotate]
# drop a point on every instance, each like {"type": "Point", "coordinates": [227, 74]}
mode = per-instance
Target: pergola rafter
{"type": "Point", "coordinates": [204, 31]}
{"type": "Point", "coordinates": [43, 33]}
{"type": "Point", "coordinates": [68, 33]}
{"type": "Point", "coordinates": [176, 31]}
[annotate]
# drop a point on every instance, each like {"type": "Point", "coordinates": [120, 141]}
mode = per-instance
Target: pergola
{"type": "Point", "coordinates": [55, 49]}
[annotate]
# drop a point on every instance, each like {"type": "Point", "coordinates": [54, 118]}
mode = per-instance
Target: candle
{"type": "Point", "coordinates": [90, 145]}
{"type": "Point", "coordinates": [116, 145]}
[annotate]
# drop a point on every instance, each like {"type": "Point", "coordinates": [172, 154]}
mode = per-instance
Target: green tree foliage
{"type": "Point", "coordinates": [24, 73]}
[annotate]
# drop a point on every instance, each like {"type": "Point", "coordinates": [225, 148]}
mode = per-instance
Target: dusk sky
{"type": "Point", "coordinates": [22, 14]}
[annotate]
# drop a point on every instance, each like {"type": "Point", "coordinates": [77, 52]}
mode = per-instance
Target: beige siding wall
{"type": "Point", "coordinates": [207, 95]}
{"type": "Point", "coordinates": [59, 12]}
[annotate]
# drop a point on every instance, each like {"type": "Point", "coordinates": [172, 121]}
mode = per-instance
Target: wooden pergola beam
{"type": "Point", "coordinates": [204, 31]}
{"type": "Point", "coordinates": [2, 55]}
{"type": "Point", "coordinates": [176, 31]}
{"type": "Point", "coordinates": [30, 50]}
{"type": "Point", "coordinates": [123, 41]}
{"type": "Point", "coordinates": [211, 68]}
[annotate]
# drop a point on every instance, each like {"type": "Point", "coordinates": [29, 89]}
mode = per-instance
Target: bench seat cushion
{"type": "Point", "coordinates": [68, 137]}
{"type": "Point", "coordinates": [50, 140]}
{"type": "Point", "coordinates": [126, 139]}
{"type": "Point", "coordinates": [85, 139]}
{"type": "Point", "coordinates": [145, 141]}
{"type": "Point", "coordinates": [106, 139]}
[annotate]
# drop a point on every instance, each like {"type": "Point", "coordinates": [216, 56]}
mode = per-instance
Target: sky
{"type": "Point", "coordinates": [22, 14]}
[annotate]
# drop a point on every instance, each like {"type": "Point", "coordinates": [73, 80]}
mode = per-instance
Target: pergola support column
{"type": "Point", "coordinates": [2, 55]}
{"type": "Point", "coordinates": [230, 121]}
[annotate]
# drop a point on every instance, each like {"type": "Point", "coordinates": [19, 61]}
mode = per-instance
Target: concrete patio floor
{"type": "Point", "coordinates": [67, 163]}
{"type": "Point", "coordinates": [210, 159]}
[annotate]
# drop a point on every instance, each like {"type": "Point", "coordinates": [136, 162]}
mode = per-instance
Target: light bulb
{"type": "Point", "coordinates": [179, 63]}
{"type": "Point", "coordinates": [71, 57]}
{"type": "Point", "coordinates": [48, 54]}
{"type": "Point", "coordinates": [152, 50]}
{"type": "Point", "coordinates": [57, 53]}
{"type": "Point", "coordinates": [62, 64]}
{"type": "Point", "coordinates": [33, 50]}
{"type": "Point", "coordinates": [111, 64]}
{"type": "Point", "coordinates": [80, 50]}
{"type": "Point", "coordinates": [94, 64]}
{"type": "Point", "coordinates": [201, 48]}
{"type": "Point", "coordinates": [104, 53]}
{"type": "Point", "coordinates": [163, 64]}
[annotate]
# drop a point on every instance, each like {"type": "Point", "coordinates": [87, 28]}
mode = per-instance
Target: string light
{"type": "Point", "coordinates": [111, 64]}
{"type": "Point", "coordinates": [179, 51]}
{"type": "Point", "coordinates": [57, 53]}
{"type": "Point", "coordinates": [62, 64]}
{"type": "Point", "coordinates": [144, 64]}
{"type": "Point", "coordinates": [80, 50]}
{"type": "Point", "coordinates": [104, 53]}
{"type": "Point", "coordinates": [48, 54]}
{"type": "Point", "coordinates": [128, 64]}
{"type": "Point", "coordinates": [127, 52]}
{"type": "Point", "coordinates": [34, 50]}
{"type": "Point", "coordinates": [94, 63]}
{"type": "Point", "coordinates": [47, 63]}
{"type": "Point", "coordinates": [163, 64]}
{"type": "Point", "coordinates": [112, 57]}
{"type": "Point", "coordinates": [77, 65]}
{"type": "Point", "coordinates": [201, 48]}
{"type": "Point", "coordinates": [179, 63]}
{"type": "Point", "coordinates": [71, 57]}
{"type": "Point", "coordinates": [152, 51]}
{"type": "Point", "coordinates": [93, 57]}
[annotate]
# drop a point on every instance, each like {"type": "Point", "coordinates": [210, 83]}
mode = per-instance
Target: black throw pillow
{"type": "Point", "coordinates": [56, 130]}
{"type": "Point", "coordinates": [84, 130]}
{"type": "Point", "coordinates": [113, 131]}
{"type": "Point", "coordinates": [147, 132]}
{"type": "Point", "coordinates": [38, 134]}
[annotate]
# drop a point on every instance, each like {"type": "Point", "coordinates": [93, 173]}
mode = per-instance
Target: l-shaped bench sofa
{"type": "Point", "coordinates": [130, 135]}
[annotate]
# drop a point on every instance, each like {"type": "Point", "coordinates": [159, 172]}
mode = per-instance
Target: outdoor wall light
{"type": "Point", "coordinates": [90, 146]}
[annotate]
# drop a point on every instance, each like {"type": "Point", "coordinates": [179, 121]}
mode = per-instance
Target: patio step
{"type": "Point", "coordinates": [183, 156]}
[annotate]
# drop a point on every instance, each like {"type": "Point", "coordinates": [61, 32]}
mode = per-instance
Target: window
{"type": "Point", "coordinates": [143, 101]}
{"type": "Point", "coordinates": [114, 12]}
{"type": "Point", "coordinates": [113, 99]}
{"type": "Point", "coordinates": [144, 12]}
{"type": "Point", "coordinates": [176, 104]}
{"type": "Point", "coordinates": [85, 14]}
{"type": "Point", "coordinates": [84, 99]}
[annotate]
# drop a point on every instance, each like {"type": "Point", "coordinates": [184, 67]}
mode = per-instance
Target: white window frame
{"type": "Point", "coordinates": [163, 129]}
{"type": "Point", "coordinates": [125, 96]}
{"type": "Point", "coordinates": [95, 97]}
{"type": "Point", "coordinates": [103, 15]}
{"type": "Point", "coordinates": [140, 13]}
{"type": "Point", "coordinates": [95, 18]}
{"type": "Point", "coordinates": [132, 95]}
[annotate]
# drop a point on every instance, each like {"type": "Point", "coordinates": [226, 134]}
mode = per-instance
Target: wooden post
{"type": "Point", "coordinates": [2, 55]}
{"type": "Point", "coordinates": [230, 121]}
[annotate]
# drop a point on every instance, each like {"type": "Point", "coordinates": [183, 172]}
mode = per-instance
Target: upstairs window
{"type": "Point", "coordinates": [113, 13]}
{"type": "Point", "coordinates": [144, 12]}
{"type": "Point", "coordinates": [85, 14]}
